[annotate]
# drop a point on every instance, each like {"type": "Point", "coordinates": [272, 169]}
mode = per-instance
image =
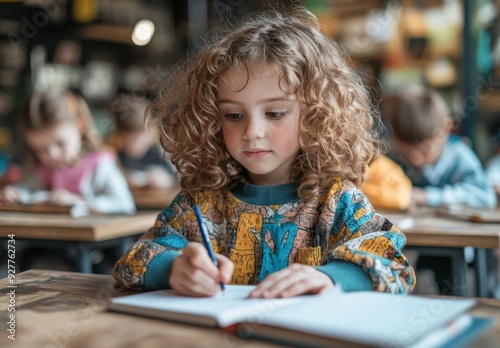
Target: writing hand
{"type": "Point", "coordinates": [418, 197]}
{"type": "Point", "coordinates": [159, 178]}
{"type": "Point", "coordinates": [64, 197]}
{"type": "Point", "coordinates": [10, 195]}
{"type": "Point", "coordinates": [194, 273]}
{"type": "Point", "coordinates": [294, 280]}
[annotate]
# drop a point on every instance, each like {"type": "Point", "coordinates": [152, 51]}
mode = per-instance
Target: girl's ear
{"type": "Point", "coordinates": [449, 124]}
{"type": "Point", "coordinates": [74, 110]}
{"type": "Point", "coordinates": [72, 103]}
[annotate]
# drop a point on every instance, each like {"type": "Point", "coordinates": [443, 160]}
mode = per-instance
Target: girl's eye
{"type": "Point", "coordinates": [275, 114]}
{"type": "Point", "coordinates": [233, 117]}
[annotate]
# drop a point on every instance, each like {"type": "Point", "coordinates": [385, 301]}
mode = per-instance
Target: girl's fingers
{"type": "Point", "coordinates": [292, 281]}
{"type": "Point", "coordinates": [199, 283]}
{"type": "Point", "coordinates": [267, 288]}
{"type": "Point", "coordinates": [199, 259]}
{"type": "Point", "coordinates": [195, 274]}
{"type": "Point", "coordinates": [10, 195]}
{"type": "Point", "coordinates": [191, 281]}
{"type": "Point", "coordinates": [312, 285]}
{"type": "Point", "coordinates": [226, 268]}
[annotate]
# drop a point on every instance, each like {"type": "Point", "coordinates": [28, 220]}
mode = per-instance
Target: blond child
{"type": "Point", "coordinates": [69, 166]}
{"type": "Point", "coordinates": [270, 131]}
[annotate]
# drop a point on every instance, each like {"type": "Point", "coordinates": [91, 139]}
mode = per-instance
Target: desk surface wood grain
{"type": "Point", "coordinates": [92, 228]}
{"type": "Point", "coordinates": [435, 231]}
{"type": "Point", "coordinates": [64, 309]}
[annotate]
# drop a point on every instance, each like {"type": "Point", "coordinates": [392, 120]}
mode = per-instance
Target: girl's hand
{"type": "Point", "coordinates": [194, 273]}
{"type": "Point", "coordinates": [159, 178]}
{"type": "Point", "coordinates": [497, 189]}
{"type": "Point", "coordinates": [294, 280]}
{"type": "Point", "coordinates": [418, 197]}
{"type": "Point", "coordinates": [10, 195]}
{"type": "Point", "coordinates": [64, 197]}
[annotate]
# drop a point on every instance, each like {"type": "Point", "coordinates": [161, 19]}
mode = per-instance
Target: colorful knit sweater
{"type": "Point", "coordinates": [263, 229]}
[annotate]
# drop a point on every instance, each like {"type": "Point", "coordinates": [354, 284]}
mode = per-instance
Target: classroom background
{"type": "Point", "coordinates": [101, 49]}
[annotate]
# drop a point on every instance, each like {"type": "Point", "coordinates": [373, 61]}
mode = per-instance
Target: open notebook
{"type": "Point", "coordinates": [36, 203]}
{"type": "Point", "coordinates": [77, 210]}
{"type": "Point", "coordinates": [359, 319]}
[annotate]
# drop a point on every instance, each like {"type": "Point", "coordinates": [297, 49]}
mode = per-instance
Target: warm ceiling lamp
{"type": "Point", "coordinates": [143, 32]}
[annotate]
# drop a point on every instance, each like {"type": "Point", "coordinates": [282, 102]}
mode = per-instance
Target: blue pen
{"type": "Point", "coordinates": [206, 241]}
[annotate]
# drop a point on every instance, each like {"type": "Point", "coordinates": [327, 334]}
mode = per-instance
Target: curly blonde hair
{"type": "Point", "coordinates": [337, 123]}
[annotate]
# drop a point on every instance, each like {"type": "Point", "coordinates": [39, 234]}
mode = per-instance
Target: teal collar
{"type": "Point", "coordinates": [266, 195]}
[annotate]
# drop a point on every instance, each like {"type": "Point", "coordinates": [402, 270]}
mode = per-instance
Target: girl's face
{"type": "Point", "coordinates": [57, 146]}
{"type": "Point", "coordinates": [135, 143]}
{"type": "Point", "coordinates": [428, 151]}
{"type": "Point", "coordinates": [260, 123]}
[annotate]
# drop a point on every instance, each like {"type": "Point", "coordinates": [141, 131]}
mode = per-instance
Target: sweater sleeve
{"type": "Point", "coordinates": [367, 241]}
{"type": "Point", "coordinates": [386, 185]}
{"type": "Point", "coordinates": [148, 263]}
{"type": "Point", "coordinates": [458, 177]}
{"type": "Point", "coordinates": [108, 191]}
{"type": "Point", "coordinates": [470, 186]}
{"type": "Point", "coordinates": [493, 170]}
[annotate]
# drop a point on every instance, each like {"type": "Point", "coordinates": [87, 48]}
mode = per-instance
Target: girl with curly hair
{"type": "Point", "coordinates": [270, 131]}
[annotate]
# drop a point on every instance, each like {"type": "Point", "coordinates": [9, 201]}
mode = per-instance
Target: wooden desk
{"type": "Point", "coordinates": [63, 309]}
{"type": "Point", "coordinates": [444, 232]}
{"type": "Point", "coordinates": [439, 236]}
{"type": "Point", "coordinates": [153, 199]}
{"type": "Point", "coordinates": [86, 233]}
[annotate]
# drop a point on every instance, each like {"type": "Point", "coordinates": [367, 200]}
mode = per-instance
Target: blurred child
{"type": "Point", "coordinates": [69, 166]}
{"type": "Point", "coordinates": [442, 168]}
{"type": "Point", "coordinates": [493, 166]}
{"type": "Point", "coordinates": [493, 173]}
{"type": "Point", "coordinates": [386, 185]}
{"type": "Point", "coordinates": [270, 131]}
{"type": "Point", "coordinates": [140, 155]}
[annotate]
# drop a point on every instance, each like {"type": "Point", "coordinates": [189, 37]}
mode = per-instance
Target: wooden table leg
{"type": "Point", "coordinates": [456, 283]}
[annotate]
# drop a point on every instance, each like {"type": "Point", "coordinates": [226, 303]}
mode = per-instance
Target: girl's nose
{"type": "Point", "coordinates": [54, 153]}
{"type": "Point", "coordinates": [416, 158]}
{"type": "Point", "coordinates": [255, 128]}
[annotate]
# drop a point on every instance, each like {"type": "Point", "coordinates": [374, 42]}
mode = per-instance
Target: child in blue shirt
{"type": "Point", "coordinates": [442, 168]}
{"type": "Point", "coordinates": [493, 166]}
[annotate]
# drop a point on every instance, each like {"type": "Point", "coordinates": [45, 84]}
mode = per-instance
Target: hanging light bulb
{"type": "Point", "coordinates": [143, 32]}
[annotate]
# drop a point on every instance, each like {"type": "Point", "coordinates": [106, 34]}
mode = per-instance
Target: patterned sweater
{"type": "Point", "coordinates": [263, 229]}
